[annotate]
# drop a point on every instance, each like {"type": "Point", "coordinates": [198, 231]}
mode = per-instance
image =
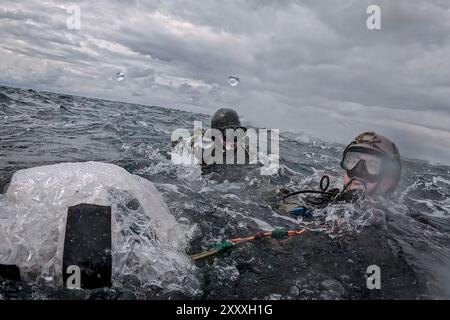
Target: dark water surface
{"type": "Point", "coordinates": [407, 237]}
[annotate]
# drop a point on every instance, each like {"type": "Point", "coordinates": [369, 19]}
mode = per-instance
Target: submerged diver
{"type": "Point", "coordinates": [232, 137]}
{"type": "Point", "coordinates": [372, 167]}
{"type": "Point", "coordinates": [223, 144]}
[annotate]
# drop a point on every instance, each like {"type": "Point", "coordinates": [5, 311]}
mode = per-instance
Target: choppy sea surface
{"type": "Point", "coordinates": [407, 236]}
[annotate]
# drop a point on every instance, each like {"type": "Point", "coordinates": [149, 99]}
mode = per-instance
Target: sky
{"type": "Point", "coordinates": [311, 67]}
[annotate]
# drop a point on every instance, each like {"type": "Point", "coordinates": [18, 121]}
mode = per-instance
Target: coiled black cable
{"type": "Point", "coordinates": [329, 196]}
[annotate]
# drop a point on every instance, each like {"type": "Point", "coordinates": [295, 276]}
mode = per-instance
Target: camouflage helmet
{"type": "Point", "coordinates": [377, 143]}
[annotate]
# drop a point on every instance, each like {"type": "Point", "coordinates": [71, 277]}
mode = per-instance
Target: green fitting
{"type": "Point", "coordinates": [223, 246]}
{"type": "Point", "coordinates": [280, 234]}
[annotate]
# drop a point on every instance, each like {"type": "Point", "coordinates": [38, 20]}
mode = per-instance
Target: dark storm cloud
{"type": "Point", "coordinates": [310, 66]}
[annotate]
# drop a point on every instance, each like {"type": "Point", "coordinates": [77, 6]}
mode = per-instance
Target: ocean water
{"type": "Point", "coordinates": [406, 236]}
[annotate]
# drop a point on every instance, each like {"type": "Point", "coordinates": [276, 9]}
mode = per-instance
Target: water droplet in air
{"type": "Point", "coordinates": [233, 81]}
{"type": "Point", "coordinates": [120, 76]}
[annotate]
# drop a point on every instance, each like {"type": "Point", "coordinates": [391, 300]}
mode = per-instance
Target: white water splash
{"type": "Point", "coordinates": [33, 223]}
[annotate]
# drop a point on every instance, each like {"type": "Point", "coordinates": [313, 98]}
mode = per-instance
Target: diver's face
{"type": "Point", "coordinates": [358, 184]}
{"type": "Point", "coordinates": [232, 141]}
{"type": "Point", "coordinates": [379, 187]}
{"type": "Point", "coordinates": [228, 145]}
{"type": "Point", "coordinates": [369, 170]}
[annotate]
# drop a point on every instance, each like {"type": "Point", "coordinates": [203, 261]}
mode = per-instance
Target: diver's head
{"type": "Point", "coordinates": [224, 119]}
{"type": "Point", "coordinates": [372, 162]}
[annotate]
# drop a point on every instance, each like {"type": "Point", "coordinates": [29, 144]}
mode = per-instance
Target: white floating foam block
{"type": "Point", "coordinates": [147, 243]}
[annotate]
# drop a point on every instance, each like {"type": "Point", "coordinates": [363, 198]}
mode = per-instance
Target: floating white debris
{"type": "Point", "coordinates": [147, 241]}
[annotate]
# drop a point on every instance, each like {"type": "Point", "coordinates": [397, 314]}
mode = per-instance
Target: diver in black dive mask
{"type": "Point", "coordinates": [226, 135]}
{"type": "Point", "coordinates": [371, 161]}
{"type": "Point", "coordinates": [372, 167]}
{"type": "Point", "coordinates": [231, 141]}
{"type": "Point", "coordinates": [227, 119]}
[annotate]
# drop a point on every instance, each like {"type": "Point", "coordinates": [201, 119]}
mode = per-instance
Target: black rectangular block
{"type": "Point", "coordinates": [87, 245]}
{"type": "Point", "coordinates": [10, 272]}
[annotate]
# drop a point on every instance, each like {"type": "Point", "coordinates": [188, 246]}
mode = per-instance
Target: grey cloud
{"type": "Point", "coordinates": [309, 66]}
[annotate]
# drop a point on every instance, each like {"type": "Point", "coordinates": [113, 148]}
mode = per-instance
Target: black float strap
{"type": "Point", "coordinates": [87, 245]}
{"type": "Point", "coordinates": [9, 272]}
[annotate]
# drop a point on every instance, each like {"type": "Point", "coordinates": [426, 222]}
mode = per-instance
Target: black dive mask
{"type": "Point", "coordinates": [360, 171]}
